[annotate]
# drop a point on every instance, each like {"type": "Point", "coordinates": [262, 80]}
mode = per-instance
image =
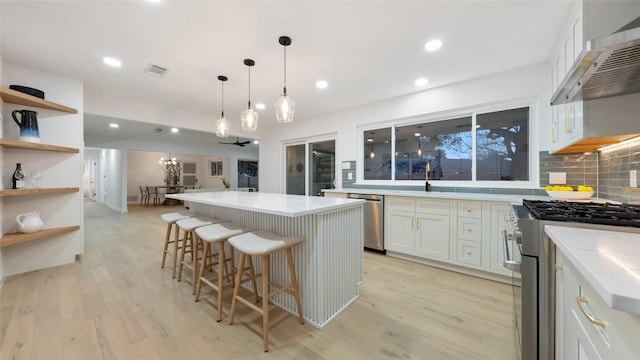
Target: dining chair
{"type": "Point", "coordinates": [153, 194]}
{"type": "Point", "coordinates": [144, 195]}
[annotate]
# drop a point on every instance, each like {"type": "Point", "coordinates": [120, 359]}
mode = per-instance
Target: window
{"type": "Point", "coordinates": [215, 168]}
{"type": "Point", "coordinates": [495, 144]}
{"type": "Point", "coordinates": [502, 145]}
{"type": "Point", "coordinates": [377, 154]}
{"type": "Point", "coordinates": [444, 147]}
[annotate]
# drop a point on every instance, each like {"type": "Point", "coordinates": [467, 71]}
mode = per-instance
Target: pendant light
{"type": "Point", "coordinates": [222, 125]}
{"type": "Point", "coordinates": [285, 106]}
{"type": "Point", "coordinates": [249, 117]}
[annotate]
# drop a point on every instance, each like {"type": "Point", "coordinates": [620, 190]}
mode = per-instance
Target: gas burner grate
{"type": "Point", "coordinates": [587, 212]}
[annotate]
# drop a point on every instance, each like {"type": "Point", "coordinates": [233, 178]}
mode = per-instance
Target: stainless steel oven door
{"type": "Point", "coordinates": [512, 262]}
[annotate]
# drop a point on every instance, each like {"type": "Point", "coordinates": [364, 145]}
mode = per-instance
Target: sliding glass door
{"type": "Point", "coordinates": [322, 164]}
{"type": "Point", "coordinates": [295, 169]}
{"type": "Point", "coordinates": [310, 167]}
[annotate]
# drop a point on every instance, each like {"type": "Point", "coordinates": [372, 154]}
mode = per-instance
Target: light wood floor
{"type": "Point", "coordinates": [116, 303]}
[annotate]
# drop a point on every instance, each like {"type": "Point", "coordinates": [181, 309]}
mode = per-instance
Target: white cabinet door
{"type": "Point", "coordinates": [400, 232]}
{"type": "Point", "coordinates": [433, 236]}
{"type": "Point", "coordinates": [496, 226]}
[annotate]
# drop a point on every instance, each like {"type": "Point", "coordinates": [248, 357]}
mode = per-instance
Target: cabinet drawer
{"type": "Point", "coordinates": [472, 209]}
{"type": "Point", "coordinates": [469, 229]}
{"type": "Point", "coordinates": [470, 252]}
{"type": "Point", "coordinates": [617, 338]}
{"type": "Point", "coordinates": [400, 204]}
{"type": "Point", "coordinates": [439, 207]}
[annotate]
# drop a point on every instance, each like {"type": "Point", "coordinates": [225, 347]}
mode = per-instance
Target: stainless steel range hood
{"type": "Point", "coordinates": [608, 66]}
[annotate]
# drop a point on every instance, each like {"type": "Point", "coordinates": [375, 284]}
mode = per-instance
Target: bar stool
{"type": "Point", "coordinates": [171, 219]}
{"type": "Point", "coordinates": [191, 245]}
{"type": "Point", "coordinates": [218, 234]}
{"type": "Point", "coordinates": [263, 244]}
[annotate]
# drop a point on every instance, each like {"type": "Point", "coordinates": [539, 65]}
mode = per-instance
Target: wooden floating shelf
{"type": "Point", "coordinates": [15, 144]}
{"type": "Point", "coordinates": [18, 98]}
{"type": "Point", "coordinates": [25, 192]}
{"type": "Point", "coordinates": [17, 238]}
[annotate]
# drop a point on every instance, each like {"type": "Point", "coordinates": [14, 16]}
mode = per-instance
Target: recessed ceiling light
{"type": "Point", "coordinates": [321, 84]}
{"type": "Point", "coordinates": [260, 106]}
{"type": "Point", "coordinates": [421, 82]}
{"type": "Point", "coordinates": [369, 140]}
{"type": "Point", "coordinates": [417, 134]}
{"type": "Point", "coordinates": [112, 61]}
{"type": "Point", "coordinates": [256, 142]}
{"type": "Point", "coordinates": [433, 45]}
{"type": "Point", "coordinates": [114, 125]}
{"type": "Point", "coordinates": [174, 130]}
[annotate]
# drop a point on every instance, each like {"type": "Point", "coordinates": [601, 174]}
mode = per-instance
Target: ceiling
{"type": "Point", "coordinates": [366, 50]}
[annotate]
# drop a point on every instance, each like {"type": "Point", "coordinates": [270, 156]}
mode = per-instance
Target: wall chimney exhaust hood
{"type": "Point", "coordinates": [608, 66]}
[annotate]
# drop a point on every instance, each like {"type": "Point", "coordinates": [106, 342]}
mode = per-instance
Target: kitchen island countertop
{"type": "Point", "coordinates": [269, 203]}
{"type": "Point", "coordinates": [608, 260]}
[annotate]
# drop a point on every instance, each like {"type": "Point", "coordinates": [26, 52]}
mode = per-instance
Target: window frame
{"type": "Point", "coordinates": [533, 181]}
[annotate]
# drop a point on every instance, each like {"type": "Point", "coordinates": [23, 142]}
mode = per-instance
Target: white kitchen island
{"type": "Point", "coordinates": [329, 262]}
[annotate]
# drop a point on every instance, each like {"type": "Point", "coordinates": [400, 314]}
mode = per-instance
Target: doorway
{"type": "Point", "coordinates": [310, 167]}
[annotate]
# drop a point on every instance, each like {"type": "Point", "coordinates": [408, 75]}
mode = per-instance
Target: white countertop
{"type": "Point", "coordinates": [278, 204]}
{"type": "Point", "coordinates": [512, 199]}
{"type": "Point", "coordinates": [608, 260]}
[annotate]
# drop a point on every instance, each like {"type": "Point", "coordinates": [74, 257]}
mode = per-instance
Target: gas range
{"type": "Point", "coordinates": [585, 212]}
{"type": "Point", "coordinates": [524, 235]}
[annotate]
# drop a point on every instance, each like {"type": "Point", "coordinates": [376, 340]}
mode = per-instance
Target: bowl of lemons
{"type": "Point", "coordinates": [564, 192]}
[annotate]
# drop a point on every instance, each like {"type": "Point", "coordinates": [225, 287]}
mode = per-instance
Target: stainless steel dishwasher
{"type": "Point", "coordinates": [373, 221]}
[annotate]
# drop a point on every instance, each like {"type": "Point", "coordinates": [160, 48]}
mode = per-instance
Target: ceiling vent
{"type": "Point", "coordinates": [155, 70]}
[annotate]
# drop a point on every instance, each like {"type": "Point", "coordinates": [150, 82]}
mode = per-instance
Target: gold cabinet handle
{"type": "Point", "coordinates": [568, 111]}
{"type": "Point", "coordinates": [468, 252]}
{"type": "Point", "coordinates": [559, 267]}
{"type": "Point", "coordinates": [582, 304]}
{"type": "Point", "coordinates": [412, 222]}
{"type": "Point", "coordinates": [468, 229]}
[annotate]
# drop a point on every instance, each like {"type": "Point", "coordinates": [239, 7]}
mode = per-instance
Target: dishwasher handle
{"type": "Point", "coordinates": [368, 197]}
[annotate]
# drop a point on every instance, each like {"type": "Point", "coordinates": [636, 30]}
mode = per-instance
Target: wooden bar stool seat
{"type": "Point", "coordinates": [191, 244]}
{"type": "Point", "coordinates": [217, 235]}
{"type": "Point", "coordinates": [171, 219]}
{"type": "Point", "coordinates": [263, 244]}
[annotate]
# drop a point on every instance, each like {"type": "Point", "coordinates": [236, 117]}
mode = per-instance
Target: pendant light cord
{"type": "Point", "coordinates": [222, 112]}
{"type": "Point", "coordinates": [285, 70]}
{"type": "Point", "coordinates": [249, 101]}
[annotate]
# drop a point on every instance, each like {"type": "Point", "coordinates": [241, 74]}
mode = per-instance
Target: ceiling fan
{"type": "Point", "coordinates": [237, 142]}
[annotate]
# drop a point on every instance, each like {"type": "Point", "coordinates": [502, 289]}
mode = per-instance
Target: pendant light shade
{"type": "Point", "coordinates": [285, 106]}
{"type": "Point", "coordinates": [222, 125]}
{"type": "Point", "coordinates": [249, 118]}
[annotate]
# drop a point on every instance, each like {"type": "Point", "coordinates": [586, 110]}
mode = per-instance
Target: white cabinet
{"type": "Point", "coordinates": [584, 126]}
{"type": "Point", "coordinates": [469, 233]}
{"type": "Point", "coordinates": [495, 218]}
{"type": "Point", "coordinates": [586, 328]}
{"type": "Point", "coordinates": [420, 227]}
{"type": "Point", "coordinates": [455, 234]}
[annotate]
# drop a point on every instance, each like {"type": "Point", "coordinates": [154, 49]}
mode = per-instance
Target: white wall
{"type": "Point", "coordinates": [507, 86]}
{"type": "Point", "coordinates": [59, 170]}
{"type": "Point", "coordinates": [143, 170]}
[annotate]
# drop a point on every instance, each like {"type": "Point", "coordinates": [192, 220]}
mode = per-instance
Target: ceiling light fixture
{"type": "Point", "coordinates": [114, 125]}
{"type": "Point", "coordinates": [222, 125]}
{"type": "Point", "coordinates": [256, 142]}
{"type": "Point", "coordinates": [321, 84]}
{"type": "Point", "coordinates": [112, 61]}
{"type": "Point", "coordinates": [260, 106]}
{"type": "Point", "coordinates": [433, 45]}
{"type": "Point", "coordinates": [285, 106]}
{"type": "Point", "coordinates": [372, 154]}
{"type": "Point", "coordinates": [421, 82]}
{"type": "Point", "coordinates": [419, 151]}
{"type": "Point", "coordinates": [174, 130]}
{"type": "Point", "coordinates": [249, 118]}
